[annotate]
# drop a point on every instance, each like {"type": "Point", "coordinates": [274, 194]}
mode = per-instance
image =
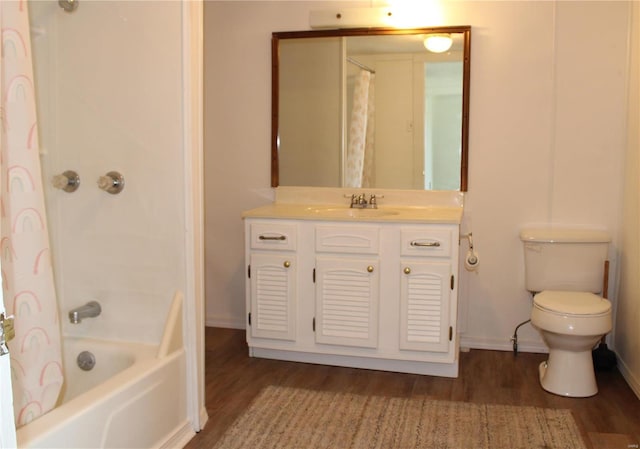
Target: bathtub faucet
{"type": "Point", "coordinates": [89, 310]}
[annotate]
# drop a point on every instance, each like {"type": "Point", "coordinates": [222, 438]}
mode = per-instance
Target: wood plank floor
{"type": "Point", "coordinates": [609, 420]}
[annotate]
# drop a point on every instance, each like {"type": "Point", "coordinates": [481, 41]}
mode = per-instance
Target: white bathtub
{"type": "Point", "coordinates": [134, 397]}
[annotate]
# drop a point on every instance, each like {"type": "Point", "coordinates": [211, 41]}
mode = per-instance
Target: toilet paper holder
{"type": "Point", "coordinates": [471, 261]}
{"type": "Point", "coordinates": [469, 237]}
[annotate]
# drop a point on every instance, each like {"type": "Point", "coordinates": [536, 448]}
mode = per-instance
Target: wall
{"type": "Point", "coordinates": [547, 141]}
{"type": "Point", "coordinates": [627, 341]}
{"type": "Point", "coordinates": [394, 143]}
{"type": "Point", "coordinates": [546, 144]}
{"type": "Point", "coordinates": [109, 88]}
{"type": "Point", "coordinates": [310, 131]}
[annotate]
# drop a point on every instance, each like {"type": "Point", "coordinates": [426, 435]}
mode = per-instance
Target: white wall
{"type": "Point", "coordinates": [110, 98]}
{"type": "Point", "coordinates": [627, 341]}
{"type": "Point", "coordinates": [547, 140]}
{"type": "Point", "coordinates": [393, 142]}
{"type": "Point", "coordinates": [310, 130]}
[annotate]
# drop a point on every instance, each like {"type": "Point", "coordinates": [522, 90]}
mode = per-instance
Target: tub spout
{"type": "Point", "coordinates": [89, 310]}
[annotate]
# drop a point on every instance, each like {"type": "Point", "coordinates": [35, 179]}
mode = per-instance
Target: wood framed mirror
{"type": "Point", "coordinates": [415, 131]}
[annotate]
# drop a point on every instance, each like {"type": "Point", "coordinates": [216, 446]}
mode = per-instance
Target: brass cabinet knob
{"type": "Point", "coordinates": [286, 264]}
{"type": "Point", "coordinates": [370, 269]}
{"type": "Point", "coordinates": [407, 270]}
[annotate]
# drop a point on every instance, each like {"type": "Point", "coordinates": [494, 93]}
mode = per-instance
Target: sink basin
{"type": "Point", "coordinates": [349, 212]}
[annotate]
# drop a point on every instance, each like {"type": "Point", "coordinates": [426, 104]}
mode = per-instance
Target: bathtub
{"type": "Point", "coordinates": [134, 397]}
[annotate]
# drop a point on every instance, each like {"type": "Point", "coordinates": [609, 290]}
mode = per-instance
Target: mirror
{"type": "Point", "coordinates": [370, 108]}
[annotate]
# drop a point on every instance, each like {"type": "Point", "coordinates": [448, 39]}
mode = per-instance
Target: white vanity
{"type": "Point", "coordinates": [366, 288]}
{"type": "Point", "coordinates": [362, 287]}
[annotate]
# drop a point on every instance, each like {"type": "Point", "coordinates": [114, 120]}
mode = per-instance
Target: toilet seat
{"type": "Point", "coordinates": [572, 303]}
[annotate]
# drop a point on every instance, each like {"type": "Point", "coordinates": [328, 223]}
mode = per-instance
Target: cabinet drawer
{"type": "Point", "coordinates": [430, 242]}
{"type": "Point", "coordinates": [348, 239]}
{"type": "Point", "coordinates": [274, 236]}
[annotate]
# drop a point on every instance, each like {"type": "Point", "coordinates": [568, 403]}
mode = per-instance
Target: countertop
{"type": "Point", "coordinates": [341, 212]}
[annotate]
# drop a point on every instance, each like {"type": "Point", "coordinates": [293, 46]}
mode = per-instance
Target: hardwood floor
{"type": "Point", "coordinates": [609, 420]}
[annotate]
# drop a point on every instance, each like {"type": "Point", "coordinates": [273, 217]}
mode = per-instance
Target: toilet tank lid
{"type": "Point", "coordinates": [551, 235]}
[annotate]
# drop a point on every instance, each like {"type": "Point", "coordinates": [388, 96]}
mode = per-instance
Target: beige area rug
{"type": "Point", "coordinates": [287, 418]}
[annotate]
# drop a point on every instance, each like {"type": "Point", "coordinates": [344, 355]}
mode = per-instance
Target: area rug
{"type": "Point", "coordinates": [288, 418]}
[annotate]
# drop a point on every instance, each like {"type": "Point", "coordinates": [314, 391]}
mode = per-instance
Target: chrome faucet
{"type": "Point", "coordinates": [90, 310]}
{"type": "Point", "coordinates": [360, 201]}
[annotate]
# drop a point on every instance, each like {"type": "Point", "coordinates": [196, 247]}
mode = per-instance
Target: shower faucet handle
{"type": "Point", "coordinates": [112, 182]}
{"type": "Point", "coordinates": [68, 5]}
{"type": "Point", "coordinates": [69, 181]}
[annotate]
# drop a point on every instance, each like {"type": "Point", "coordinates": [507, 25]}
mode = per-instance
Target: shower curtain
{"type": "Point", "coordinates": [27, 275]}
{"type": "Point", "coordinates": [359, 166]}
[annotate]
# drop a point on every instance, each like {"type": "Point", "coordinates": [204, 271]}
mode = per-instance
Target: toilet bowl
{"type": "Point", "coordinates": [564, 269]}
{"type": "Point", "coordinates": [571, 324]}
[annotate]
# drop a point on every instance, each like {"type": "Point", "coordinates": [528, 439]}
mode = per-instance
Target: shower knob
{"type": "Point", "coordinates": [68, 5]}
{"type": "Point", "coordinates": [112, 182]}
{"type": "Point", "coordinates": [69, 181]}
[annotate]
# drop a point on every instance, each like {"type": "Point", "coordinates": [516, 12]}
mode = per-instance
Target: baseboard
{"type": "Point", "coordinates": [494, 344]}
{"type": "Point", "coordinates": [225, 322]}
{"type": "Point", "coordinates": [204, 417]}
{"type": "Point", "coordinates": [629, 376]}
{"type": "Point", "coordinates": [180, 437]}
{"type": "Point", "coordinates": [466, 341]}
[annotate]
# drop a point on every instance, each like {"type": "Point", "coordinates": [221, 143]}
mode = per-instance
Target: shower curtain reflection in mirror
{"type": "Point", "coordinates": [27, 274]}
{"type": "Point", "coordinates": [360, 150]}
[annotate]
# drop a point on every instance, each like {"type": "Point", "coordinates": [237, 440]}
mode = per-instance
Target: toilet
{"type": "Point", "coordinates": [564, 269]}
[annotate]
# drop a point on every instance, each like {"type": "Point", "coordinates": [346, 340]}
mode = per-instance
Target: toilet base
{"type": "Point", "coordinates": [569, 374]}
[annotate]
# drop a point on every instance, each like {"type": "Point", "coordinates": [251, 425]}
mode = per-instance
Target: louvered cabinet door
{"type": "Point", "coordinates": [425, 305]}
{"type": "Point", "coordinates": [347, 294]}
{"type": "Point", "coordinates": [273, 296]}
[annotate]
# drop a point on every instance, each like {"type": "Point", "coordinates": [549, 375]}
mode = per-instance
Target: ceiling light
{"type": "Point", "coordinates": [438, 43]}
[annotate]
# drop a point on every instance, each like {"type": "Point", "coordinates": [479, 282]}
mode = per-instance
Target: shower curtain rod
{"type": "Point", "coordinates": [361, 65]}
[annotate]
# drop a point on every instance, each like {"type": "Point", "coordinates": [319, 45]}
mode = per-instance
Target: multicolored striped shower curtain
{"type": "Point", "coordinates": [27, 275]}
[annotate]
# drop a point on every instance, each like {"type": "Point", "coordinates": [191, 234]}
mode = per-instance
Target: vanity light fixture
{"type": "Point", "coordinates": [438, 43]}
{"type": "Point", "coordinates": [351, 18]}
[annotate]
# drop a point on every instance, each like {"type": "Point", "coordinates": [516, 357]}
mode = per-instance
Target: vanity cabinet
{"type": "Point", "coordinates": [360, 294]}
{"type": "Point", "coordinates": [426, 288]}
{"type": "Point", "coordinates": [272, 286]}
{"type": "Point", "coordinates": [346, 277]}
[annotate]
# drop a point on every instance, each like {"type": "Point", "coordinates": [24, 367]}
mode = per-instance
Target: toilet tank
{"type": "Point", "coordinates": [564, 259]}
